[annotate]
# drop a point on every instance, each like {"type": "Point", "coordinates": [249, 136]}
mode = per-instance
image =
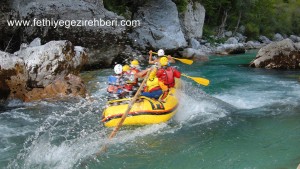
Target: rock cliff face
{"type": "Point", "coordinates": [192, 20]}
{"type": "Point", "coordinates": [284, 54]}
{"type": "Point", "coordinates": [104, 42]}
{"type": "Point", "coordinates": [160, 27]}
{"type": "Point", "coordinates": [39, 72]}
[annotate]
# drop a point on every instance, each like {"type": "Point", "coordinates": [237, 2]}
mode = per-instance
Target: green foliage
{"type": "Point", "coordinates": [260, 17]}
{"type": "Point", "coordinates": [121, 7]}
{"type": "Point", "coordinates": [252, 30]}
{"type": "Point", "coordinates": [210, 35]}
{"type": "Point", "coordinates": [181, 5]}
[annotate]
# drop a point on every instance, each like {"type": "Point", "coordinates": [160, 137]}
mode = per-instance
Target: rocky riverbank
{"type": "Point", "coordinates": [284, 54]}
{"type": "Point", "coordinates": [36, 71]}
{"type": "Point", "coordinates": [42, 71]}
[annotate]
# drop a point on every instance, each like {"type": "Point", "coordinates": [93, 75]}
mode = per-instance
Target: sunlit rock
{"type": "Point", "coordinates": [159, 28]}
{"type": "Point", "coordinates": [13, 76]}
{"type": "Point", "coordinates": [192, 20]}
{"type": "Point", "coordinates": [226, 49]}
{"type": "Point", "coordinates": [34, 72]}
{"type": "Point", "coordinates": [284, 54]}
{"type": "Point", "coordinates": [194, 54]}
{"type": "Point", "coordinates": [63, 86]}
{"type": "Point", "coordinates": [104, 41]}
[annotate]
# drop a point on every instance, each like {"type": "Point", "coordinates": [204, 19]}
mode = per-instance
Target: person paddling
{"type": "Point", "coordinates": [160, 53]}
{"type": "Point", "coordinates": [116, 83]}
{"type": "Point", "coordinates": [166, 75]}
{"type": "Point", "coordinates": [153, 88]}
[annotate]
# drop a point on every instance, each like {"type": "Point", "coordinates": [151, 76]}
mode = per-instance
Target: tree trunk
{"type": "Point", "coordinates": [223, 24]}
{"type": "Point", "coordinates": [238, 23]}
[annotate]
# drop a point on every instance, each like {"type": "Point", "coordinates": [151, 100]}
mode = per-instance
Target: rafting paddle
{"type": "Point", "coordinates": [186, 61]}
{"type": "Point", "coordinates": [202, 81]}
{"type": "Point", "coordinates": [133, 100]}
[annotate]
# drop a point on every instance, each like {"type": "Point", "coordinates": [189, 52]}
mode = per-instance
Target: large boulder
{"type": "Point", "coordinates": [13, 76]}
{"type": "Point", "coordinates": [194, 54]}
{"type": "Point", "coordinates": [284, 54]}
{"type": "Point", "coordinates": [278, 37]}
{"type": "Point", "coordinates": [295, 38]}
{"type": "Point", "coordinates": [253, 45]}
{"type": "Point", "coordinates": [34, 72]}
{"type": "Point", "coordinates": [227, 49]}
{"type": "Point", "coordinates": [264, 39]}
{"type": "Point", "coordinates": [44, 63]}
{"type": "Point", "coordinates": [63, 86]}
{"type": "Point", "coordinates": [159, 28]}
{"type": "Point", "coordinates": [103, 41]}
{"type": "Point", "coordinates": [192, 20]}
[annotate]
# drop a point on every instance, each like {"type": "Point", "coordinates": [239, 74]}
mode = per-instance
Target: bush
{"type": "Point", "coordinates": [252, 31]}
{"type": "Point", "coordinates": [181, 5]}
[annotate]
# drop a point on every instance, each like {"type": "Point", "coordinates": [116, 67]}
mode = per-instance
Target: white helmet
{"type": "Point", "coordinates": [118, 69]}
{"type": "Point", "coordinates": [160, 52]}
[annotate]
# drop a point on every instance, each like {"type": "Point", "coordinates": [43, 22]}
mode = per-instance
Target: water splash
{"type": "Point", "coordinates": [197, 107]}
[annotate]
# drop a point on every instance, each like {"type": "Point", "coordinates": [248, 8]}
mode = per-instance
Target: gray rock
{"type": "Point", "coordinates": [284, 54]}
{"type": "Point", "coordinates": [278, 37]}
{"type": "Point", "coordinates": [295, 38]}
{"type": "Point", "coordinates": [103, 42]}
{"type": "Point", "coordinates": [228, 33]}
{"type": "Point", "coordinates": [29, 74]}
{"type": "Point", "coordinates": [264, 39]}
{"type": "Point", "coordinates": [12, 75]}
{"type": "Point", "coordinates": [242, 29]}
{"type": "Point", "coordinates": [44, 63]}
{"type": "Point", "coordinates": [227, 49]}
{"type": "Point", "coordinates": [159, 28]}
{"type": "Point", "coordinates": [192, 20]}
{"type": "Point", "coordinates": [35, 42]}
{"type": "Point", "coordinates": [253, 45]}
{"type": "Point", "coordinates": [232, 40]}
{"type": "Point", "coordinates": [23, 46]}
{"type": "Point", "coordinates": [240, 37]}
{"type": "Point", "coordinates": [193, 43]}
{"type": "Point", "coordinates": [194, 54]}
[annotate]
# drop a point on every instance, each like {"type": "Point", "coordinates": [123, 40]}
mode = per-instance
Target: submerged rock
{"type": "Point", "coordinates": [44, 71]}
{"type": "Point", "coordinates": [284, 54]}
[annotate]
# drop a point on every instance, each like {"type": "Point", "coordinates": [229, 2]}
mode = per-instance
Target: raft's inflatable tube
{"type": "Point", "coordinates": [144, 111]}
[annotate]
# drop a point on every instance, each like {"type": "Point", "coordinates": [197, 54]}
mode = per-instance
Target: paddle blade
{"type": "Point", "coordinates": [186, 61]}
{"type": "Point", "coordinates": [200, 80]}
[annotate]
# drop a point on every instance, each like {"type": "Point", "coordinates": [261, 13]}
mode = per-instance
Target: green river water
{"type": "Point", "coordinates": [245, 119]}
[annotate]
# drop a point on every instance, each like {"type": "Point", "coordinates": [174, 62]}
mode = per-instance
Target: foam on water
{"type": "Point", "coordinates": [68, 137]}
{"type": "Point", "coordinates": [196, 107]}
{"type": "Point", "coordinates": [271, 92]}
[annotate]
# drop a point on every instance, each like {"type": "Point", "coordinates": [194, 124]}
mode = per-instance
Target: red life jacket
{"type": "Point", "coordinates": [167, 76]}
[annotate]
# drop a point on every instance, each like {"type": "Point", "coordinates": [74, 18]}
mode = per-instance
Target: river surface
{"type": "Point", "coordinates": [245, 119]}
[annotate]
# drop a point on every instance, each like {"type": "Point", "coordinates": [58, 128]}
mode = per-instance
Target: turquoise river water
{"type": "Point", "coordinates": [245, 119]}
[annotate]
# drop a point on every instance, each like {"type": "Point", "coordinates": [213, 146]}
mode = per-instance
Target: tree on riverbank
{"type": "Point", "coordinates": [260, 17]}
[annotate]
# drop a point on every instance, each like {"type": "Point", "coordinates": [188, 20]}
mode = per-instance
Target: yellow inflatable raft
{"type": "Point", "coordinates": [144, 111]}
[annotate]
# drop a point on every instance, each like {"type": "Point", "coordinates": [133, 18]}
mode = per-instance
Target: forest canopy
{"type": "Point", "coordinates": [258, 17]}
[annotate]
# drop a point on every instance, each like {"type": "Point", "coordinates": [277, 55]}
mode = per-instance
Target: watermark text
{"type": "Point", "coordinates": [95, 22]}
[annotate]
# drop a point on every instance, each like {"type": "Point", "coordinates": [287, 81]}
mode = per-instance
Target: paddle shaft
{"type": "Point", "coordinates": [186, 61]}
{"type": "Point", "coordinates": [114, 132]}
